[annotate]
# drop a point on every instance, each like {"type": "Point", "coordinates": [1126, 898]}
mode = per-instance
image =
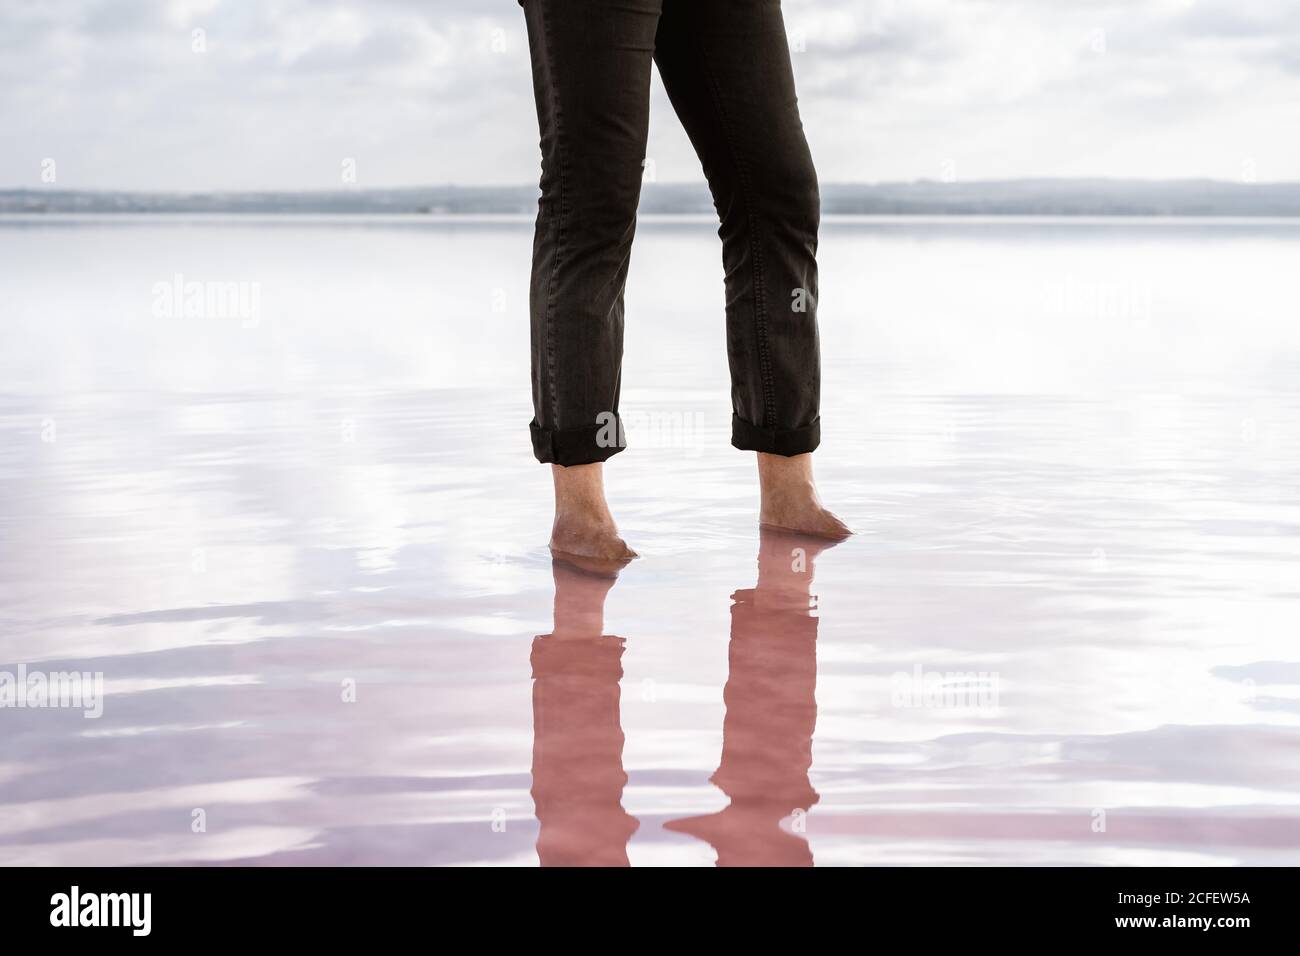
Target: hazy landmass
{"type": "Point", "coordinates": [1057, 197]}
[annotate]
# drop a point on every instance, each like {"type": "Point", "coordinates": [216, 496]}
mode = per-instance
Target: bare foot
{"type": "Point", "coordinates": [579, 600]}
{"type": "Point", "coordinates": [584, 528]}
{"type": "Point", "coordinates": [790, 501]}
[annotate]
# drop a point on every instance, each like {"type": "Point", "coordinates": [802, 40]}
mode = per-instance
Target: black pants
{"type": "Point", "coordinates": [726, 67]}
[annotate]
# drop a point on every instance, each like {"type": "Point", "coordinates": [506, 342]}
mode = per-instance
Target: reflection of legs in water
{"type": "Point", "coordinates": [771, 712]}
{"type": "Point", "coordinates": [578, 773]}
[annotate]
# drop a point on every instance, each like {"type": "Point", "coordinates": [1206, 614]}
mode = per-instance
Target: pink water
{"type": "Point", "coordinates": [307, 555]}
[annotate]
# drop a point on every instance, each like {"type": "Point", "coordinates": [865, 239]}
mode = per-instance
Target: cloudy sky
{"type": "Point", "coordinates": [437, 91]}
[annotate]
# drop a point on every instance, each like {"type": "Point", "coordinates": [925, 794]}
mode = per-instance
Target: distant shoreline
{"type": "Point", "coordinates": [647, 220]}
{"type": "Point", "coordinates": [1034, 197]}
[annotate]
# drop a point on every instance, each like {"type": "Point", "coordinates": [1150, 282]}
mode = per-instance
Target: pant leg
{"type": "Point", "coordinates": [726, 67]}
{"type": "Point", "coordinates": [591, 77]}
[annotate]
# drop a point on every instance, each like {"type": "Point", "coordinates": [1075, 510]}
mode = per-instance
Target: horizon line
{"type": "Point", "coordinates": [345, 189]}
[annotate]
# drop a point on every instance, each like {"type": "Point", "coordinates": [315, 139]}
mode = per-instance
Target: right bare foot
{"type": "Point", "coordinates": [789, 500]}
{"type": "Point", "coordinates": [576, 537]}
{"type": "Point", "coordinates": [583, 527]}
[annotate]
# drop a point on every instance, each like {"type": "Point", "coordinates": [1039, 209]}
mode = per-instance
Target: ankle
{"type": "Point", "coordinates": [580, 495]}
{"type": "Point", "coordinates": [592, 515]}
{"type": "Point", "coordinates": [792, 487]}
{"type": "Point", "coordinates": [784, 470]}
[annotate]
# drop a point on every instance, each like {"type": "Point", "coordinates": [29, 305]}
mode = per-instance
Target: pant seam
{"type": "Point", "coordinates": [561, 219]}
{"type": "Point", "coordinates": [754, 224]}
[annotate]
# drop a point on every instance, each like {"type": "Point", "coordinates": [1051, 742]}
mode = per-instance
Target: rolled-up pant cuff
{"type": "Point", "coordinates": [576, 446]}
{"type": "Point", "coordinates": [775, 441]}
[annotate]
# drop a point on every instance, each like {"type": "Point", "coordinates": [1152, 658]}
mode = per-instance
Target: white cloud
{"type": "Point", "coordinates": [439, 91]}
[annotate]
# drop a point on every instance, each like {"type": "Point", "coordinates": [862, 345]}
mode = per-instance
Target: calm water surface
{"type": "Point", "coordinates": [304, 545]}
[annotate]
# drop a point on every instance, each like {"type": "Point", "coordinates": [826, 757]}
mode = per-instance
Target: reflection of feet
{"type": "Point", "coordinates": [790, 501]}
{"type": "Point", "coordinates": [578, 775]}
{"type": "Point", "coordinates": [580, 597]}
{"type": "Point", "coordinates": [776, 543]}
{"type": "Point", "coordinates": [747, 837]}
{"type": "Point", "coordinates": [771, 711]}
{"type": "Point", "coordinates": [787, 563]}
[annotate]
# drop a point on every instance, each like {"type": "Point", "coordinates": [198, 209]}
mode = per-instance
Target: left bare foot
{"type": "Point", "coordinates": [584, 528]}
{"type": "Point", "coordinates": [790, 501]}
